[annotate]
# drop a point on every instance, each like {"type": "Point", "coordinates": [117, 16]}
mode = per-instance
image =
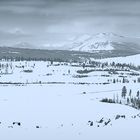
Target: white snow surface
{"type": "Point", "coordinates": [62, 111]}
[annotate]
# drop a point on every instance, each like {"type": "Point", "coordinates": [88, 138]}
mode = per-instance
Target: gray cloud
{"type": "Point", "coordinates": [43, 18]}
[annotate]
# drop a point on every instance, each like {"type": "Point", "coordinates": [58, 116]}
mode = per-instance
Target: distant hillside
{"type": "Point", "coordinates": [105, 42]}
{"type": "Point", "coordinates": [60, 55]}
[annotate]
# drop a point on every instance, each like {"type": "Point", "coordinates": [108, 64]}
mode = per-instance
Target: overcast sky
{"type": "Point", "coordinates": [44, 21]}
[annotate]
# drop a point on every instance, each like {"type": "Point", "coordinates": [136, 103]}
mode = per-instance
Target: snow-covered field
{"type": "Point", "coordinates": [134, 59]}
{"type": "Point", "coordinates": [52, 102]}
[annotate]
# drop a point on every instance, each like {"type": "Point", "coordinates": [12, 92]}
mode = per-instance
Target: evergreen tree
{"type": "Point", "coordinates": [127, 100]}
{"type": "Point", "coordinates": [114, 81]}
{"type": "Point", "coordinates": [124, 91]}
{"type": "Point", "coordinates": [123, 80]}
{"type": "Point", "coordinates": [117, 100]}
{"type": "Point", "coordinates": [138, 94]}
{"type": "Point", "coordinates": [83, 65]}
{"type": "Point", "coordinates": [130, 92]}
{"type": "Point", "coordinates": [138, 79]}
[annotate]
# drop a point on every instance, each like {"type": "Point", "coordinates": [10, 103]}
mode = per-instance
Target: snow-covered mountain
{"type": "Point", "coordinates": [103, 45]}
{"type": "Point", "coordinates": [101, 42]}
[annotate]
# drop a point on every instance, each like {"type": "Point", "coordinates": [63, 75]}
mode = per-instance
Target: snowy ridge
{"type": "Point", "coordinates": [101, 41]}
{"type": "Point", "coordinates": [89, 46]}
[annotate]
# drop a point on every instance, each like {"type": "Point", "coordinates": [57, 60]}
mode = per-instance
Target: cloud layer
{"type": "Point", "coordinates": [44, 18]}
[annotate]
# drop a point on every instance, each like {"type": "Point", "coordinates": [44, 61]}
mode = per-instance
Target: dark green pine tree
{"type": "Point", "coordinates": [124, 92]}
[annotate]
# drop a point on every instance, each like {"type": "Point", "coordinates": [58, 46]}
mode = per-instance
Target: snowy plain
{"type": "Point", "coordinates": [134, 59]}
{"type": "Point", "coordinates": [57, 109]}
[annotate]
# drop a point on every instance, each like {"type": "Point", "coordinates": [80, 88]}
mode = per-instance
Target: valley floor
{"type": "Point", "coordinates": [66, 111]}
{"type": "Point", "coordinates": [62, 112]}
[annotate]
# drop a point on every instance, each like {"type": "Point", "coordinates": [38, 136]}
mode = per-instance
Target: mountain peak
{"type": "Point", "coordinates": [97, 42]}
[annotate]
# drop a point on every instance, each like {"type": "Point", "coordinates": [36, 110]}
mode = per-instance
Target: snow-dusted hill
{"type": "Point", "coordinates": [90, 43]}
{"type": "Point", "coordinates": [134, 59]}
{"type": "Point", "coordinates": [103, 42]}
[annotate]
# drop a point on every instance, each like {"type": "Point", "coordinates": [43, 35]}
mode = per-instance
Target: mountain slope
{"type": "Point", "coordinates": [104, 42]}
{"type": "Point", "coordinates": [104, 45]}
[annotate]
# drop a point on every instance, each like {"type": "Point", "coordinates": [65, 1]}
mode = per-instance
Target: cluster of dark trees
{"type": "Point", "coordinates": [117, 66]}
{"type": "Point", "coordinates": [130, 100]}
{"type": "Point", "coordinates": [124, 80]}
{"type": "Point", "coordinates": [5, 65]}
{"type": "Point", "coordinates": [6, 68]}
{"type": "Point", "coordinates": [112, 68]}
{"type": "Point", "coordinates": [126, 98]}
{"type": "Point", "coordinates": [106, 100]}
{"type": "Point", "coordinates": [18, 58]}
